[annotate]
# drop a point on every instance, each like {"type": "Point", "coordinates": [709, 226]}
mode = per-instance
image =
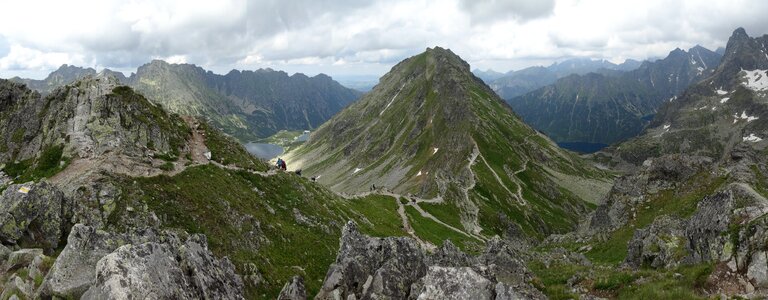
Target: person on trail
{"type": "Point", "coordinates": [283, 166]}
{"type": "Point", "coordinates": [279, 163]}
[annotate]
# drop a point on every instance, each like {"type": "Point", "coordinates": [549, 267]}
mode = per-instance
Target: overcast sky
{"type": "Point", "coordinates": [350, 37]}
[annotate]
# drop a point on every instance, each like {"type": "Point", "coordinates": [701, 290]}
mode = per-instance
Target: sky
{"type": "Point", "coordinates": [348, 38]}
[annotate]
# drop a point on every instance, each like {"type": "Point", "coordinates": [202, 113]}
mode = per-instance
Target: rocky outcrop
{"type": "Point", "coordinates": [669, 241]}
{"type": "Point", "coordinates": [165, 270]}
{"type": "Point", "coordinates": [452, 283]}
{"type": "Point", "coordinates": [396, 268]}
{"type": "Point", "coordinates": [89, 118]}
{"type": "Point", "coordinates": [662, 244]}
{"type": "Point", "coordinates": [34, 214]}
{"type": "Point", "coordinates": [88, 264]}
{"type": "Point", "coordinates": [630, 190]}
{"type": "Point", "coordinates": [293, 290]}
{"type": "Point", "coordinates": [373, 267]}
{"type": "Point", "coordinates": [75, 269]}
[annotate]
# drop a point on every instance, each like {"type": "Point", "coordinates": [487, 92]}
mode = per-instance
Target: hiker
{"type": "Point", "coordinates": [279, 163]}
{"type": "Point", "coordinates": [283, 166]}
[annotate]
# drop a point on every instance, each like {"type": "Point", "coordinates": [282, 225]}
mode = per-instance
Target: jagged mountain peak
{"type": "Point", "coordinates": [724, 111]}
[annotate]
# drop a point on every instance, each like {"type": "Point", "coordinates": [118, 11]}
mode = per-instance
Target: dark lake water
{"type": "Point", "coordinates": [581, 147]}
{"type": "Point", "coordinates": [264, 151]}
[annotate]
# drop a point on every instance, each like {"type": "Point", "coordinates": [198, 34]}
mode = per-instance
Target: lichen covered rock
{"type": "Point", "coordinates": [34, 214]}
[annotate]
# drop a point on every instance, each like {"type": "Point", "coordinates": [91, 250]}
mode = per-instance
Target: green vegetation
{"type": "Point", "coordinates": [167, 166]}
{"type": "Point", "coordinates": [436, 233]}
{"type": "Point", "coordinates": [685, 282]}
{"type": "Point", "coordinates": [18, 135]}
{"type": "Point", "coordinates": [50, 162]}
{"type": "Point", "coordinates": [381, 212]}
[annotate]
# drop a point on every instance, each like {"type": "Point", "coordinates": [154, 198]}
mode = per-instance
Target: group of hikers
{"type": "Point", "coordinates": [281, 165]}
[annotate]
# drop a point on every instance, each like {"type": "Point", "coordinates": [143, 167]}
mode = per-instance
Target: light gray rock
{"type": "Point", "coordinates": [35, 214]}
{"type": "Point", "coordinates": [757, 272]}
{"type": "Point", "coordinates": [505, 292]}
{"type": "Point", "coordinates": [22, 258]}
{"type": "Point", "coordinates": [453, 283]}
{"type": "Point", "coordinates": [164, 271]}
{"type": "Point", "coordinates": [18, 287]}
{"type": "Point", "coordinates": [295, 290]}
{"type": "Point", "coordinates": [75, 269]}
{"type": "Point", "coordinates": [373, 267]}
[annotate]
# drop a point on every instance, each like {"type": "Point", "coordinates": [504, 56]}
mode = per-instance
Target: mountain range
{"type": "Point", "coordinates": [245, 104]}
{"type": "Point", "coordinates": [428, 187]}
{"type": "Point", "coordinates": [605, 109]}
{"type": "Point", "coordinates": [515, 83]}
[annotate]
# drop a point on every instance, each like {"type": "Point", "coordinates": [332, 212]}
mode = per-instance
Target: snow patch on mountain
{"type": "Point", "coordinates": [752, 138]}
{"type": "Point", "coordinates": [744, 116]}
{"type": "Point", "coordinates": [757, 80]}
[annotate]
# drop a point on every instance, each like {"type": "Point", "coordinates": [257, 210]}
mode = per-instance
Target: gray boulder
{"type": "Point", "coordinates": [661, 244]}
{"type": "Point", "coordinates": [293, 290]}
{"type": "Point", "coordinates": [369, 267]}
{"type": "Point", "coordinates": [35, 214]}
{"type": "Point", "coordinates": [453, 283]}
{"type": "Point", "coordinates": [21, 259]}
{"type": "Point", "coordinates": [75, 269]}
{"type": "Point", "coordinates": [165, 271]}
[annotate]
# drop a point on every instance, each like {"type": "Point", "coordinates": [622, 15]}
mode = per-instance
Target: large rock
{"type": "Point", "coordinates": [293, 290]}
{"type": "Point", "coordinates": [21, 258]}
{"type": "Point", "coordinates": [661, 244]}
{"type": "Point", "coordinates": [757, 271]}
{"type": "Point", "coordinates": [706, 229]}
{"type": "Point", "coordinates": [165, 271]}
{"type": "Point", "coordinates": [34, 214]}
{"type": "Point", "coordinates": [453, 283]}
{"type": "Point", "coordinates": [369, 267]}
{"type": "Point", "coordinates": [75, 269]}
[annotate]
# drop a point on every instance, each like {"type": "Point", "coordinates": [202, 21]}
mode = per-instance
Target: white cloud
{"type": "Point", "coordinates": [351, 36]}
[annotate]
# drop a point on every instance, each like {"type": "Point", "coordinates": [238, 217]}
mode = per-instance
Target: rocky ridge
{"type": "Point", "coordinates": [396, 268]}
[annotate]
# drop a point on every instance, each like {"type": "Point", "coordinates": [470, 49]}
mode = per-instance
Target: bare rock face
{"type": "Point", "coordinates": [164, 270]}
{"type": "Point", "coordinates": [87, 266]}
{"type": "Point", "coordinates": [453, 283]}
{"type": "Point", "coordinates": [34, 214]}
{"type": "Point", "coordinates": [293, 290]}
{"type": "Point", "coordinates": [662, 244]}
{"type": "Point", "coordinates": [90, 118]}
{"type": "Point", "coordinates": [628, 191]}
{"type": "Point", "coordinates": [396, 268]}
{"type": "Point", "coordinates": [373, 267]}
